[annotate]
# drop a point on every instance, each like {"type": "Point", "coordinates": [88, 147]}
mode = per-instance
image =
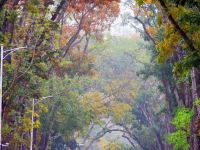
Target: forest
{"type": "Point", "coordinates": [100, 75]}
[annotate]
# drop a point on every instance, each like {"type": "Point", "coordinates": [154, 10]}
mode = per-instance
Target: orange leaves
{"type": "Point", "coordinates": [151, 30]}
{"type": "Point", "coordinates": [67, 31]}
{"type": "Point", "coordinates": [148, 1]}
{"type": "Point", "coordinates": [78, 63]}
{"type": "Point", "coordinates": [88, 17]}
{"type": "Point", "coordinates": [81, 63]}
{"type": "Point", "coordinates": [98, 14]}
{"type": "Point", "coordinates": [82, 5]}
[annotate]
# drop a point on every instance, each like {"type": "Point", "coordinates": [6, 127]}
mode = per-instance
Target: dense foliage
{"type": "Point", "coordinates": [73, 84]}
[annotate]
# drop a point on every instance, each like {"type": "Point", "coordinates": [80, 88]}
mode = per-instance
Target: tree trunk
{"type": "Point", "coordinates": [195, 124]}
{"type": "Point", "coordinates": [34, 138]}
{"type": "Point", "coordinates": [159, 140]}
{"type": "Point", "coordinates": [188, 95]}
{"type": "Point", "coordinates": [169, 95]}
{"type": "Point", "coordinates": [44, 141]}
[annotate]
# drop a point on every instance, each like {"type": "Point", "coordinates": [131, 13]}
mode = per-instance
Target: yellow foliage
{"type": "Point", "coordinates": [25, 124]}
{"type": "Point", "coordinates": [17, 139]}
{"type": "Point", "coordinates": [112, 146]}
{"type": "Point", "coordinates": [123, 88]}
{"type": "Point", "coordinates": [176, 12]}
{"type": "Point", "coordinates": [37, 124]}
{"type": "Point", "coordinates": [172, 38]}
{"type": "Point", "coordinates": [109, 145]}
{"type": "Point", "coordinates": [94, 102]}
{"type": "Point", "coordinates": [119, 110]}
{"type": "Point", "coordinates": [36, 115]}
{"type": "Point", "coordinates": [43, 108]}
{"type": "Point", "coordinates": [168, 46]}
{"type": "Point", "coordinates": [102, 143]}
{"type": "Point", "coordinates": [196, 38]}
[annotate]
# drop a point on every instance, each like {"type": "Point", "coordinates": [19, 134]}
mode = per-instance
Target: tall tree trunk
{"type": "Point", "coordinates": [159, 141]}
{"type": "Point", "coordinates": [188, 95]}
{"type": "Point", "coordinates": [195, 124]}
{"type": "Point", "coordinates": [34, 138]}
{"type": "Point", "coordinates": [44, 141]}
{"type": "Point", "coordinates": [169, 95]}
{"type": "Point", "coordinates": [184, 94]}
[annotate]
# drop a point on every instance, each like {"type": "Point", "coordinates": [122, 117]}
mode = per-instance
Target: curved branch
{"type": "Point", "coordinates": [145, 29]}
{"type": "Point", "coordinates": [134, 137]}
{"type": "Point", "coordinates": [129, 140]}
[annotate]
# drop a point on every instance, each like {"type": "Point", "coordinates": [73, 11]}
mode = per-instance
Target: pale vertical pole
{"type": "Point", "coordinates": [32, 123]}
{"type": "Point", "coordinates": [1, 93]}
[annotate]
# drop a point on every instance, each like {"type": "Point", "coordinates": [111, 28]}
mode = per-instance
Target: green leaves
{"type": "Point", "coordinates": [42, 66]}
{"type": "Point", "coordinates": [179, 140]}
{"type": "Point", "coordinates": [65, 63]}
{"type": "Point", "coordinates": [182, 67]}
{"type": "Point", "coordinates": [192, 18]}
{"type": "Point", "coordinates": [140, 2]}
{"type": "Point", "coordinates": [181, 121]}
{"type": "Point", "coordinates": [182, 118]}
{"type": "Point", "coordinates": [33, 8]}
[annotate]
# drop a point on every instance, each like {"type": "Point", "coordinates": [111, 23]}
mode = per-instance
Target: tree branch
{"type": "Point", "coordinates": [63, 4]}
{"type": "Point", "coordinates": [177, 27]}
{"type": "Point", "coordinates": [145, 29]}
